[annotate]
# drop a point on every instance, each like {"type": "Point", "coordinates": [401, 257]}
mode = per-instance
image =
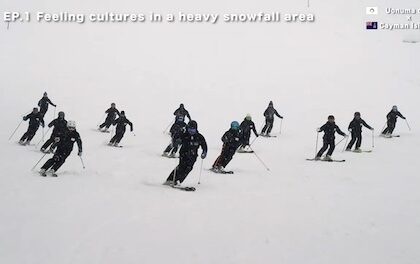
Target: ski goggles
{"type": "Point", "coordinates": [192, 131]}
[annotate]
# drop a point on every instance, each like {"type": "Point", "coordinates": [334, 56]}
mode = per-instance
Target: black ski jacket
{"type": "Point", "coordinates": [44, 102]}
{"type": "Point", "coordinates": [182, 112]}
{"type": "Point", "coordinates": [121, 122]}
{"type": "Point", "coordinates": [112, 113]}
{"type": "Point", "coordinates": [329, 130]}
{"type": "Point", "coordinates": [191, 143]}
{"type": "Point", "coordinates": [356, 125]}
{"type": "Point", "coordinates": [65, 145]}
{"type": "Point", "coordinates": [60, 126]}
{"type": "Point", "coordinates": [247, 126]}
{"type": "Point", "coordinates": [393, 115]}
{"type": "Point", "coordinates": [270, 112]}
{"type": "Point", "coordinates": [231, 138]}
{"type": "Point", "coordinates": [34, 119]}
{"type": "Point", "coordinates": [177, 129]}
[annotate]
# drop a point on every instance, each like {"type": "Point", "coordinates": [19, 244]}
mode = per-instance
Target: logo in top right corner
{"type": "Point", "coordinates": [372, 10]}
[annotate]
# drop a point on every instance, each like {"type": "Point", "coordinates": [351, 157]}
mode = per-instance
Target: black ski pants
{"type": "Point", "coordinates": [328, 143]}
{"type": "Point", "coordinates": [56, 161]}
{"type": "Point", "coordinates": [356, 137]}
{"type": "Point", "coordinates": [225, 157]}
{"type": "Point", "coordinates": [108, 122]}
{"type": "Point", "coordinates": [269, 122]}
{"type": "Point", "coordinates": [245, 139]}
{"type": "Point", "coordinates": [119, 134]}
{"type": "Point", "coordinates": [185, 166]}
{"type": "Point", "coordinates": [30, 133]}
{"type": "Point", "coordinates": [173, 146]}
{"type": "Point", "coordinates": [390, 127]}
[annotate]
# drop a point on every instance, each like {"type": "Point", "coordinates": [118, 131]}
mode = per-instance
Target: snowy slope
{"type": "Point", "coordinates": [365, 210]}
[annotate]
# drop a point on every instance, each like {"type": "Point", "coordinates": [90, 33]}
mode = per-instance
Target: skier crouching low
{"type": "Point", "coordinates": [329, 130]}
{"type": "Point", "coordinates": [191, 141]}
{"type": "Point", "coordinates": [121, 122]}
{"type": "Point", "coordinates": [231, 142]}
{"type": "Point", "coordinates": [64, 148]}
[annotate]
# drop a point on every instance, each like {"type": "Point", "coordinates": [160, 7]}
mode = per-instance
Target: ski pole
{"type": "Point", "coordinates": [166, 129]}
{"type": "Point", "coordinates": [54, 112]}
{"type": "Point", "coordinates": [46, 133]}
{"type": "Point", "coordinates": [253, 141]}
{"type": "Point", "coordinates": [83, 164]}
{"type": "Point", "coordinates": [409, 128]}
{"type": "Point", "coordinates": [383, 129]}
{"type": "Point", "coordinates": [373, 139]}
{"type": "Point", "coordinates": [43, 134]}
{"type": "Point", "coordinates": [281, 125]}
{"type": "Point", "coordinates": [340, 141]}
{"type": "Point", "coordinates": [201, 170]}
{"type": "Point", "coordinates": [262, 162]}
{"type": "Point", "coordinates": [174, 177]}
{"type": "Point", "coordinates": [15, 130]}
{"type": "Point", "coordinates": [38, 161]}
{"type": "Point", "coordinates": [345, 145]}
{"type": "Point", "coordinates": [316, 146]}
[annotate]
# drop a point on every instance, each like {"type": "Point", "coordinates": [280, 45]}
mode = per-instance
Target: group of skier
{"type": "Point", "coordinates": [118, 119]}
{"type": "Point", "coordinates": [355, 129]}
{"type": "Point", "coordinates": [188, 139]}
{"type": "Point", "coordinates": [62, 138]}
{"type": "Point", "coordinates": [185, 137]}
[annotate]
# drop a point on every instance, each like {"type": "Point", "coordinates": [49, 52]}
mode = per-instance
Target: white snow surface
{"type": "Point", "coordinates": [366, 210]}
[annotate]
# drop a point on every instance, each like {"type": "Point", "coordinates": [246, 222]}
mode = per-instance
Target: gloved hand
{"type": "Point", "coordinates": [203, 155]}
{"type": "Point", "coordinates": [281, 117]}
{"type": "Point", "coordinates": [80, 153]}
{"type": "Point", "coordinates": [404, 118]}
{"type": "Point", "coordinates": [257, 135]}
{"type": "Point", "coordinates": [131, 130]}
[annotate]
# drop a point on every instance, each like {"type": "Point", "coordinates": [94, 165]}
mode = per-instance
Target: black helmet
{"type": "Point", "coordinates": [192, 124]}
{"type": "Point", "coordinates": [61, 114]}
{"type": "Point", "coordinates": [331, 117]}
{"type": "Point", "coordinates": [112, 104]}
{"type": "Point", "coordinates": [35, 110]}
{"type": "Point", "coordinates": [181, 105]}
{"type": "Point", "coordinates": [271, 103]}
{"type": "Point", "coordinates": [122, 113]}
{"type": "Point", "coordinates": [357, 114]}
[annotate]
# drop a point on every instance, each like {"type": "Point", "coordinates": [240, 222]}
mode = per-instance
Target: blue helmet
{"type": "Point", "coordinates": [234, 125]}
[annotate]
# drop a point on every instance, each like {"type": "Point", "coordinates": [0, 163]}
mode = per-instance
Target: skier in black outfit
{"type": "Point", "coordinates": [177, 130]}
{"type": "Point", "coordinates": [329, 138]}
{"type": "Point", "coordinates": [64, 148]}
{"type": "Point", "coordinates": [355, 128]}
{"type": "Point", "coordinates": [191, 141]}
{"type": "Point", "coordinates": [246, 126]}
{"type": "Point", "coordinates": [392, 121]}
{"type": "Point", "coordinates": [60, 126]}
{"type": "Point", "coordinates": [110, 118]}
{"type": "Point", "coordinates": [181, 111]}
{"type": "Point", "coordinates": [269, 119]}
{"type": "Point", "coordinates": [121, 122]}
{"type": "Point", "coordinates": [231, 142]}
{"type": "Point", "coordinates": [35, 119]}
{"type": "Point", "coordinates": [43, 104]}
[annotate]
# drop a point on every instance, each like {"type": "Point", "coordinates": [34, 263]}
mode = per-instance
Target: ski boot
{"type": "Point", "coordinates": [172, 155]}
{"type": "Point", "coordinates": [53, 174]}
{"type": "Point", "coordinates": [165, 154]}
{"type": "Point", "coordinates": [27, 142]}
{"type": "Point", "coordinates": [358, 150]}
{"type": "Point", "coordinates": [327, 158]}
{"type": "Point", "coordinates": [388, 135]}
{"type": "Point", "coordinates": [22, 142]}
{"type": "Point", "coordinates": [116, 144]}
{"type": "Point", "coordinates": [348, 149]}
{"type": "Point", "coordinates": [110, 144]}
{"type": "Point", "coordinates": [317, 158]}
{"type": "Point", "coordinates": [43, 173]}
{"type": "Point", "coordinates": [171, 183]}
